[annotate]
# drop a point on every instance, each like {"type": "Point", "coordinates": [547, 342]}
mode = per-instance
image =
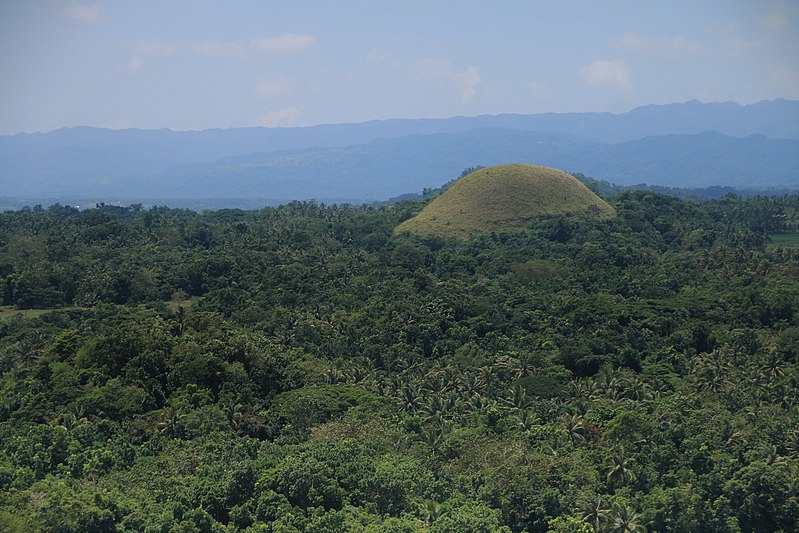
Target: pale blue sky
{"type": "Point", "coordinates": [197, 64]}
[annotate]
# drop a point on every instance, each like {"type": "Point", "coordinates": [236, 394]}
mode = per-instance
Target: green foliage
{"type": "Point", "coordinates": [467, 516]}
{"type": "Point", "coordinates": [303, 369]}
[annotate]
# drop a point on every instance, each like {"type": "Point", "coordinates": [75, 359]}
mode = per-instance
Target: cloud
{"type": "Point", "coordinates": [786, 79]}
{"type": "Point", "coordinates": [85, 13]}
{"type": "Point", "coordinates": [377, 56]}
{"type": "Point", "coordinates": [604, 72]}
{"type": "Point", "coordinates": [641, 42]}
{"type": "Point", "coordinates": [275, 86]}
{"type": "Point", "coordinates": [535, 85]}
{"type": "Point", "coordinates": [428, 69]}
{"type": "Point", "coordinates": [282, 43]}
{"type": "Point", "coordinates": [279, 118]}
{"type": "Point", "coordinates": [156, 49]}
{"type": "Point", "coordinates": [135, 64]}
{"type": "Point", "coordinates": [779, 16]}
{"type": "Point", "coordinates": [467, 82]}
{"type": "Point", "coordinates": [222, 49]}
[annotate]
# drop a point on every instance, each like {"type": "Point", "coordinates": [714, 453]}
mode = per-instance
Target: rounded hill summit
{"type": "Point", "coordinates": [505, 198]}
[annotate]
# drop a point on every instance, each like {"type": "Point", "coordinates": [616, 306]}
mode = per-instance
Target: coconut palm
{"type": "Point", "coordinates": [235, 415]}
{"type": "Point", "coordinates": [434, 438]}
{"type": "Point", "coordinates": [29, 348]}
{"type": "Point", "coordinates": [73, 418]}
{"type": "Point", "coordinates": [430, 511]}
{"type": "Point", "coordinates": [485, 376]}
{"type": "Point", "coordinates": [409, 396]}
{"type": "Point", "coordinates": [772, 369]}
{"type": "Point", "coordinates": [625, 519]}
{"type": "Point", "coordinates": [618, 469]}
{"type": "Point", "coordinates": [517, 399]}
{"type": "Point", "coordinates": [525, 420]}
{"type": "Point", "coordinates": [480, 404]}
{"type": "Point", "coordinates": [634, 388]}
{"type": "Point", "coordinates": [333, 376]}
{"type": "Point", "coordinates": [171, 417]}
{"type": "Point", "coordinates": [595, 512]}
{"type": "Point", "coordinates": [608, 381]}
{"type": "Point", "coordinates": [793, 445]}
{"type": "Point", "coordinates": [575, 429]}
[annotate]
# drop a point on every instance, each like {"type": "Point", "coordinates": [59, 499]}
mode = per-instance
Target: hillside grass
{"type": "Point", "coordinates": [9, 311]}
{"type": "Point", "coordinates": [784, 239]}
{"type": "Point", "coordinates": [505, 198]}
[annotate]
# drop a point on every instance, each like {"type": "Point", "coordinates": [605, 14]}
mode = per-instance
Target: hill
{"type": "Point", "coordinates": [504, 198]}
{"type": "Point", "coordinates": [754, 145]}
{"type": "Point", "coordinates": [385, 168]}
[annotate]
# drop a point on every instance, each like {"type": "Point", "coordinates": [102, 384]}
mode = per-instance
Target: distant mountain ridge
{"type": "Point", "coordinates": [685, 145]}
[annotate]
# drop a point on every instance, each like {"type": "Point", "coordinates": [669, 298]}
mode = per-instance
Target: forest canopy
{"type": "Point", "coordinates": [302, 368]}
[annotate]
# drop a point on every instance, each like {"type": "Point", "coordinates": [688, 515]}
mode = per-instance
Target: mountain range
{"type": "Point", "coordinates": [678, 145]}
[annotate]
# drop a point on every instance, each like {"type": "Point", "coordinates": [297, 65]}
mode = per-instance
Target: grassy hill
{"type": "Point", "coordinates": [504, 198]}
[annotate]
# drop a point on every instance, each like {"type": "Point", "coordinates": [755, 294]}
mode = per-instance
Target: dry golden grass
{"type": "Point", "coordinates": [505, 199]}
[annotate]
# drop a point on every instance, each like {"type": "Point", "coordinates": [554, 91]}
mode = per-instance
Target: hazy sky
{"type": "Point", "coordinates": [195, 64]}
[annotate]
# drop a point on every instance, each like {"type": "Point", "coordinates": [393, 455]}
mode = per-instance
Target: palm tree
{"type": "Point", "coordinates": [409, 398]}
{"type": "Point", "coordinates": [785, 396]}
{"type": "Point", "coordinates": [712, 370]}
{"type": "Point", "coordinates": [430, 511]}
{"type": "Point", "coordinates": [618, 469]}
{"type": "Point", "coordinates": [625, 519]}
{"type": "Point", "coordinates": [583, 390]}
{"type": "Point", "coordinates": [433, 405]}
{"type": "Point", "coordinates": [557, 442]}
{"type": "Point", "coordinates": [575, 429]}
{"type": "Point", "coordinates": [73, 418]}
{"type": "Point", "coordinates": [595, 512]}
{"type": "Point", "coordinates": [635, 388]}
{"type": "Point", "coordinates": [171, 417]}
{"type": "Point", "coordinates": [480, 404]}
{"type": "Point", "coordinates": [485, 376]}
{"type": "Point", "coordinates": [607, 381]}
{"type": "Point", "coordinates": [728, 432]}
{"type": "Point", "coordinates": [29, 348]}
{"type": "Point", "coordinates": [434, 438]}
{"type": "Point", "coordinates": [793, 445]}
{"type": "Point", "coordinates": [471, 384]}
{"type": "Point", "coordinates": [772, 369]}
{"type": "Point", "coordinates": [234, 414]}
{"type": "Point", "coordinates": [434, 386]}
{"type": "Point", "coordinates": [333, 376]}
{"type": "Point", "coordinates": [525, 420]}
{"type": "Point", "coordinates": [517, 399]}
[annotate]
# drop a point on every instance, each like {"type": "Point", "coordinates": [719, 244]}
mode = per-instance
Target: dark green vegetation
{"type": "Point", "coordinates": [506, 198]}
{"type": "Point", "coordinates": [304, 369]}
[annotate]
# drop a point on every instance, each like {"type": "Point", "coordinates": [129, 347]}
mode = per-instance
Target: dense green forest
{"type": "Point", "coordinates": [302, 368]}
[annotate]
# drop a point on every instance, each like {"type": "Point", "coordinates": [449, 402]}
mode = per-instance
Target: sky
{"type": "Point", "coordinates": [198, 64]}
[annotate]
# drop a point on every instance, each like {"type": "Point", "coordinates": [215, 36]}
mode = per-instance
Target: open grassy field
{"type": "Point", "coordinates": [505, 198]}
{"type": "Point", "coordinates": [784, 239]}
{"type": "Point", "coordinates": [8, 311]}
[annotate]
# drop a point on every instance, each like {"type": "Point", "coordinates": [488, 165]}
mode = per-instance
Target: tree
{"type": "Point", "coordinates": [595, 512]}
{"type": "Point", "coordinates": [625, 519]}
{"type": "Point", "coordinates": [618, 469]}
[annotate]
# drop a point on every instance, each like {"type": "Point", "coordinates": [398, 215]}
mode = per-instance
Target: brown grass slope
{"type": "Point", "coordinates": [505, 198]}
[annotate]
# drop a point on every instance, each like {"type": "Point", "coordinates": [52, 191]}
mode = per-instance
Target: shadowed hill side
{"type": "Point", "coordinates": [504, 198]}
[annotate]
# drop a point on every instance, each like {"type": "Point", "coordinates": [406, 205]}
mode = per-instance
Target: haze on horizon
{"type": "Point", "coordinates": [208, 64]}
